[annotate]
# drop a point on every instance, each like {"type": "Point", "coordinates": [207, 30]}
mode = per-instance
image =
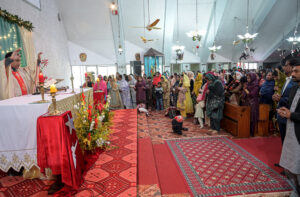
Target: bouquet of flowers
{"type": "Point", "coordinates": [92, 123]}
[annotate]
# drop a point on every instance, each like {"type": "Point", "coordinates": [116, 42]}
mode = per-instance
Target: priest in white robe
{"type": "Point", "coordinates": [16, 80]}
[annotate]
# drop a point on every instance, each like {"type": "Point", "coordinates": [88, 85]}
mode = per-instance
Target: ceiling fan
{"type": "Point", "coordinates": [145, 40]}
{"type": "Point", "coordinates": [151, 26]}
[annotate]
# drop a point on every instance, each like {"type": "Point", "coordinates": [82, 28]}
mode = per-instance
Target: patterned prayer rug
{"type": "Point", "coordinates": [114, 172]}
{"type": "Point", "coordinates": [216, 166]}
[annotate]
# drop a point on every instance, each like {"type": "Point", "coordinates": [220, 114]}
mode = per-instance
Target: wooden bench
{"type": "Point", "coordinates": [263, 120]}
{"type": "Point", "coordinates": [236, 120]}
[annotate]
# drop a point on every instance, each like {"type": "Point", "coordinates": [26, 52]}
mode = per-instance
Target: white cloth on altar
{"type": "Point", "coordinates": [18, 120]}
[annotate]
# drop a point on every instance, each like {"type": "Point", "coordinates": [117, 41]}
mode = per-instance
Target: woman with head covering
{"type": "Point", "coordinates": [140, 88]}
{"type": "Point", "coordinates": [233, 90]}
{"type": "Point", "coordinates": [250, 98]}
{"type": "Point", "coordinates": [166, 89]}
{"type": "Point", "coordinates": [214, 102]}
{"type": "Point", "coordinates": [197, 84]}
{"type": "Point", "coordinates": [101, 85]}
{"type": "Point", "coordinates": [116, 100]}
{"type": "Point", "coordinates": [89, 80]}
{"type": "Point", "coordinates": [125, 92]}
{"type": "Point", "coordinates": [131, 83]}
{"type": "Point", "coordinates": [184, 103]}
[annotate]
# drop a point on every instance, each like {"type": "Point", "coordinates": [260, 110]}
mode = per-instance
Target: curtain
{"type": "Point", "coordinates": [30, 55]}
{"type": "Point", "coordinates": [10, 40]}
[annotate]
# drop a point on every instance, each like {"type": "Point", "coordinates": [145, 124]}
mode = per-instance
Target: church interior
{"type": "Point", "coordinates": [149, 98]}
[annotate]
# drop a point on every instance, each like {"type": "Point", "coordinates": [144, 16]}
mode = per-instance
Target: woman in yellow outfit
{"type": "Point", "coordinates": [184, 103]}
{"type": "Point", "coordinates": [198, 84]}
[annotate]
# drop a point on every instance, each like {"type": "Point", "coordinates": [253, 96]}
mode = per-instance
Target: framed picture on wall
{"type": "Point", "coordinates": [34, 3]}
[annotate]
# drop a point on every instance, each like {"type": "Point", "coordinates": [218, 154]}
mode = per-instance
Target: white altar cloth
{"type": "Point", "coordinates": [18, 120]}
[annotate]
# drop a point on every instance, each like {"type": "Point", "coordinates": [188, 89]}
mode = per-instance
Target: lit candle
{"type": "Point", "coordinates": [41, 78]}
{"type": "Point", "coordinates": [98, 80]}
{"type": "Point", "coordinates": [53, 89]}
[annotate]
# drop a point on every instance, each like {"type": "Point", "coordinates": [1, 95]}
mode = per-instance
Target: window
{"type": "Point", "coordinates": [79, 71]}
{"type": "Point", "coordinates": [251, 66]}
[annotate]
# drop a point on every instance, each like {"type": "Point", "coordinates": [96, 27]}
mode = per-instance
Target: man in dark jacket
{"type": "Point", "coordinates": [290, 156]}
{"type": "Point", "coordinates": [283, 98]}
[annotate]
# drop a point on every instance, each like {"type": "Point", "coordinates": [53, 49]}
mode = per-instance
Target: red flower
{"type": "Point", "coordinates": [82, 97]}
{"type": "Point", "coordinates": [89, 136]}
{"type": "Point", "coordinates": [90, 107]}
{"type": "Point", "coordinates": [96, 122]}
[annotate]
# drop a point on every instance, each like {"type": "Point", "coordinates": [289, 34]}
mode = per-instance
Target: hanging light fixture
{"type": "Point", "coordinates": [247, 38]}
{"type": "Point", "coordinates": [214, 48]}
{"type": "Point", "coordinates": [196, 35]}
{"type": "Point", "coordinates": [114, 8]}
{"type": "Point", "coordinates": [295, 39]}
{"type": "Point", "coordinates": [179, 49]}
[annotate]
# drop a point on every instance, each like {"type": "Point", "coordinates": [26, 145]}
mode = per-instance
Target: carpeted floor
{"type": "Point", "coordinates": [216, 166]}
{"type": "Point", "coordinates": [113, 174]}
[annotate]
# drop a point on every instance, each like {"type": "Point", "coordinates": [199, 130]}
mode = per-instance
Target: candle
{"type": "Point", "coordinates": [41, 78]}
{"type": "Point", "coordinates": [98, 80]}
{"type": "Point", "coordinates": [53, 89]}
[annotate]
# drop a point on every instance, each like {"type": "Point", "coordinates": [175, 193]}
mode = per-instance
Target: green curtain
{"type": "Point", "coordinates": [10, 40]}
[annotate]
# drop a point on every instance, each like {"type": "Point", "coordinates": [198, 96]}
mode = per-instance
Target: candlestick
{"type": "Point", "coordinates": [55, 111]}
{"type": "Point", "coordinates": [42, 90]}
{"type": "Point", "coordinates": [72, 81]}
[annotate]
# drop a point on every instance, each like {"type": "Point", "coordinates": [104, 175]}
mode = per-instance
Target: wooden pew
{"type": "Point", "coordinates": [263, 120]}
{"type": "Point", "coordinates": [236, 120]}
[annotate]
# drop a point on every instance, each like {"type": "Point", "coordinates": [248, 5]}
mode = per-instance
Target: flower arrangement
{"type": "Point", "coordinates": [92, 124]}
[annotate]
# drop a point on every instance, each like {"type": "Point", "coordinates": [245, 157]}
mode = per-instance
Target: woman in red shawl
{"type": "Point", "coordinates": [100, 85]}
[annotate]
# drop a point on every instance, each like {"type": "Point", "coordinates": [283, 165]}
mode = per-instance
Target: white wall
{"type": "Point", "coordinates": [92, 58]}
{"type": "Point", "coordinates": [48, 34]}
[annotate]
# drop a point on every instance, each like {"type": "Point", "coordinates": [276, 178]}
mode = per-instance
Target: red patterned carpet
{"type": "Point", "coordinates": [216, 166]}
{"type": "Point", "coordinates": [113, 174]}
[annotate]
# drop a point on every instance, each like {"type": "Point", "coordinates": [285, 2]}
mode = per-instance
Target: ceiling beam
{"type": "Point", "coordinates": [168, 34]}
{"type": "Point", "coordinates": [118, 28]}
{"type": "Point", "coordinates": [209, 37]}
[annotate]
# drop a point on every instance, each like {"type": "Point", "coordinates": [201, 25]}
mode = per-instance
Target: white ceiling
{"type": "Point", "coordinates": [88, 23]}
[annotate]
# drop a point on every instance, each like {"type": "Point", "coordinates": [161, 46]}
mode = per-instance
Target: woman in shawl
{"type": "Point", "coordinates": [125, 92]}
{"type": "Point", "coordinates": [140, 88]}
{"type": "Point", "coordinates": [214, 102]}
{"type": "Point", "coordinates": [199, 113]}
{"type": "Point", "coordinates": [250, 98]}
{"type": "Point", "coordinates": [184, 103]}
{"type": "Point", "coordinates": [266, 92]}
{"type": "Point", "coordinates": [131, 83]}
{"type": "Point", "coordinates": [116, 101]}
{"type": "Point", "coordinates": [109, 84]}
{"type": "Point", "coordinates": [166, 88]}
{"type": "Point", "coordinates": [174, 92]}
{"type": "Point", "coordinates": [101, 86]}
{"type": "Point", "coordinates": [197, 84]}
{"type": "Point", "coordinates": [232, 89]}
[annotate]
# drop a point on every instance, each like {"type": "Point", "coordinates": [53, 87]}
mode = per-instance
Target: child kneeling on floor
{"type": "Point", "coordinates": [177, 125]}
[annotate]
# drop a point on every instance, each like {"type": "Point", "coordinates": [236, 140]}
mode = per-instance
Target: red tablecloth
{"type": "Point", "coordinates": [59, 150]}
{"type": "Point", "coordinates": [99, 97]}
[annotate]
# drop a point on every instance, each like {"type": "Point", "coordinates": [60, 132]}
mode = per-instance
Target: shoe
{"type": "Point", "coordinates": [277, 165]}
{"type": "Point", "coordinates": [214, 132]}
{"type": "Point", "coordinates": [185, 129]}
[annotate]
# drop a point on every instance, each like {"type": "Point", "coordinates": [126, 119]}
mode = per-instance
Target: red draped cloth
{"type": "Point", "coordinates": [99, 97]}
{"type": "Point", "coordinates": [54, 149]}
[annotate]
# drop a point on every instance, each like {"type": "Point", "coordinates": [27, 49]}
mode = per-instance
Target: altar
{"type": "Point", "coordinates": [18, 120]}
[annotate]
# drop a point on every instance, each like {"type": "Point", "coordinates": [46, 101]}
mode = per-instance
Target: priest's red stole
{"type": "Point", "coordinates": [20, 82]}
